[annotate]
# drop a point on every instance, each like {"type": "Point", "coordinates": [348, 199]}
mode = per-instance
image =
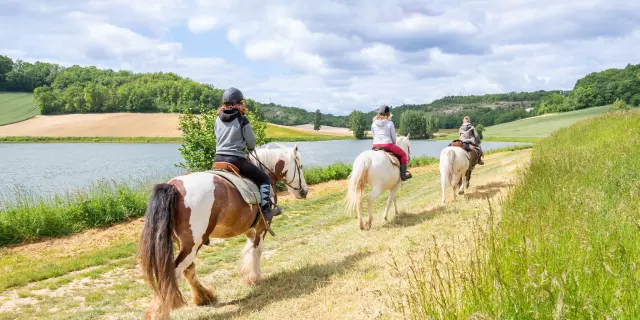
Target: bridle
{"type": "Point", "coordinates": [295, 173]}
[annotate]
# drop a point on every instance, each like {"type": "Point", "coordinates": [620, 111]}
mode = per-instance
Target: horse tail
{"type": "Point", "coordinates": [451, 156]}
{"type": "Point", "coordinates": [156, 246]}
{"type": "Point", "coordinates": [357, 181]}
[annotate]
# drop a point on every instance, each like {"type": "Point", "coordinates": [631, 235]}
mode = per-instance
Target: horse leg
{"type": "Point", "coordinates": [252, 253]}
{"type": "Point", "coordinates": [454, 186]}
{"type": "Point", "coordinates": [461, 184]}
{"type": "Point", "coordinates": [201, 295]}
{"type": "Point", "coordinates": [467, 178]}
{"type": "Point", "coordinates": [392, 198]}
{"type": "Point", "coordinates": [374, 194]}
{"type": "Point", "coordinates": [359, 208]}
{"type": "Point", "coordinates": [443, 181]}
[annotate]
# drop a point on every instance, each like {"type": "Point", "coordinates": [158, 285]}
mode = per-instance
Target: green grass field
{"type": "Point", "coordinates": [15, 107]}
{"type": "Point", "coordinates": [542, 126]}
{"type": "Point", "coordinates": [565, 245]}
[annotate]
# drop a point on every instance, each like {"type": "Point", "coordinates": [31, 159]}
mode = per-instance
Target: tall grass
{"type": "Point", "coordinates": [28, 217]}
{"type": "Point", "coordinates": [567, 245]}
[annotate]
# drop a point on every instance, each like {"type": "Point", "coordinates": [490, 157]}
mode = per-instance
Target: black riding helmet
{"type": "Point", "coordinates": [383, 109]}
{"type": "Point", "coordinates": [232, 96]}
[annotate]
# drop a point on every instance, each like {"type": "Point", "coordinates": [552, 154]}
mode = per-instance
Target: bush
{"type": "Point", "coordinates": [619, 105]}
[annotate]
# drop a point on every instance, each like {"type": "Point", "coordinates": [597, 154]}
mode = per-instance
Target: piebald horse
{"type": "Point", "coordinates": [191, 208]}
{"type": "Point", "coordinates": [374, 168]}
{"type": "Point", "coordinates": [454, 167]}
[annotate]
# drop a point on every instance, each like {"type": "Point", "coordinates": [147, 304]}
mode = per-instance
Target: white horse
{"type": "Point", "coordinates": [374, 168]}
{"type": "Point", "coordinates": [454, 162]}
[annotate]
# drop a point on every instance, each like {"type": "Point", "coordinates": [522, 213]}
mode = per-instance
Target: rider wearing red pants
{"type": "Point", "coordinates": [384, 136]}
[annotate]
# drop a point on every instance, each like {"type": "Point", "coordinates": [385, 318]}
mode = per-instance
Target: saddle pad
{"type": "Point", "coordinates": [247, 188]}
{"type": "Point", "coordinates": [393, 158]}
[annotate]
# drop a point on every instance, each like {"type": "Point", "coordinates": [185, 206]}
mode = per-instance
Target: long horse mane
{"type": "Point", "coordinates": [269, 156]}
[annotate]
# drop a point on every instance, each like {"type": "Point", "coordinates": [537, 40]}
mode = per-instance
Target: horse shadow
{"type": "Point", "coordinates": [488, 190]}
{"type": "Point", "coordinates": [402, 220]}
{"type": "Point", "coordinates": [286, 285]}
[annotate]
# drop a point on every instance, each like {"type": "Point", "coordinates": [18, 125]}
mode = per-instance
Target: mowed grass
{"type": "Point", "coordinates": [567, 245]}
{"type": "Point", "coordinates": [541, 126]}
{"type": "Point", "coordinates": [15, 107]}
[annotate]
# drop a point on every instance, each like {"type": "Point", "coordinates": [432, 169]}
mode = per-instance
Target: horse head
{"type": "Point", "coordinates": [285, 164]}
{"type": "Point", "coordinates": [405, 144]}
{"type": "Point", "coordinates": [294, 175]}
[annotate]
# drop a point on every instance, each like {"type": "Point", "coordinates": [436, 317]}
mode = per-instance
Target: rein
{"type": "Point", "coordinates": [288, 183]}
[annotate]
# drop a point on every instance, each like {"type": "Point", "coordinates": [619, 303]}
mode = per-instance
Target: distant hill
{"type": "Point", "coordinates": [16, 107]}
{"type": "Point", "coordinates": [542, 126]}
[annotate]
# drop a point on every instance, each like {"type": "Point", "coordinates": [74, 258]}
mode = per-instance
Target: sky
{"type": "Point", "coordinates": [335, 56]}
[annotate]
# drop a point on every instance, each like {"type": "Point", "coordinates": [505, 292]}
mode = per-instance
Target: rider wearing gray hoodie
{"type": "Point", "coordinates": [468, 133]}
{"type": "Point", "coordinates": [233, 136]}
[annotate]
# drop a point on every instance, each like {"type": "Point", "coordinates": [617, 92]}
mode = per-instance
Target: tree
{"type": "Point", "coordinates": [480, 129]}
{"type": "Point", "coordinates": [316, 120]}
{"type": "Point", "coordinates": [413, 122]}
{"type": "Point", "coordinates": [6, 64]}
{"type": "Point", "coordinates": [433, 125]}
{"type": "Point", "coordinates": [619, 105]}
{"type": "Point", "coordinates": [198, 148]}
{"type": "Point", "coordinates": [357, 124]}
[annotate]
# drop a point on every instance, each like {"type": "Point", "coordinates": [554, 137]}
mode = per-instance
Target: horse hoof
{"type": "Point", "coordinates": [253, 280]}
{"type": "Point", "coordinates": [461, 192]}
{"type": "Point", "coordinates": [205, 298]}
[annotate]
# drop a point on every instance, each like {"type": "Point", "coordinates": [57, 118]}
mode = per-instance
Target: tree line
{"type": "Point", "coordinates": [76, 89]}
{"type": "Point", "coordinates": [597, 89]}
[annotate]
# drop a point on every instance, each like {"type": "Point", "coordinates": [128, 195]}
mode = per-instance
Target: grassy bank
{"type": "Point", "coordinates": [16, 107]}
{"type": "Point", "coordinates": [566, 244]}
{"type": "Point", "coordinates": [27, 217]}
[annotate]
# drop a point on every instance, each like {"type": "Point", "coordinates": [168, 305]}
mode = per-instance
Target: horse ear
{"type": "Point", "coordinates": [295, 148]}
{"type": "Point", "coordinates": [408, 134]}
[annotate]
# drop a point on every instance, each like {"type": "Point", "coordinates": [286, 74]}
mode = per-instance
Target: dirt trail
{"type": "Point", "coordinates": [319, 265]}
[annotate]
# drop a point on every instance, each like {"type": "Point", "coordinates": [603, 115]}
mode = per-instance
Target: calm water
{"type": "Point", "coordinates": [56, 167]}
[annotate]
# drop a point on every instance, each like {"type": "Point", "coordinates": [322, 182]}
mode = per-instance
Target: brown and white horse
{"type": "Point", "coordinates": [193, 207]}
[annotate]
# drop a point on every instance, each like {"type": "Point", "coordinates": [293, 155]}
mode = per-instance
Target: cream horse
{"type": "Point", "coordinates": [374, 168]}
{"type": "Point", "coordinates": [454, 162]}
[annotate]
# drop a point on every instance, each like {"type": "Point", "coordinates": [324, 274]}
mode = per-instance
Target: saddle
{"type": "Point", "coordinates": [249, 190]}
{"type": "Point", "coordinates": [392, 156]}
{"type": "Point", "coordinates": [461, 144]}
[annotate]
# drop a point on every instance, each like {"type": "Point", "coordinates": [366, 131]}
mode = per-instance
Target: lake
{"type": "Point", "coordinates": [46, 168]}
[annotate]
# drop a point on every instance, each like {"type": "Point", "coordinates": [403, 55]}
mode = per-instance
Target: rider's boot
{"type": "Point", "coordinates": [268, 210]}
{"type": "Point", "coordinates": [404, 175]}
{"type": "Point", "coordinates": [480, 162]}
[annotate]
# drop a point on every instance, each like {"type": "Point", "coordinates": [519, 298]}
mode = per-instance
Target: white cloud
{"type": "Point", "coordinates": [199, 24]}
{"type": "Point", "coordinates": [338, 55]}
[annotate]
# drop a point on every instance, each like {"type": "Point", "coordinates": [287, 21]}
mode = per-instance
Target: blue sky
{"type": "Point", "coordinates": [335, 56]}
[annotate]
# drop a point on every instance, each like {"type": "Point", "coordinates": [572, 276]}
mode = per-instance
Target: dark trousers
{"type": "Point", "coordinates": [247, 169]}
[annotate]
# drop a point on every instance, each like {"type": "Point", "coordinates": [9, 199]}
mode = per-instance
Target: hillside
{"type": "Point", "coordinates": [542, 126]}
{"type": "Point", "coordinates": [15, 107]}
